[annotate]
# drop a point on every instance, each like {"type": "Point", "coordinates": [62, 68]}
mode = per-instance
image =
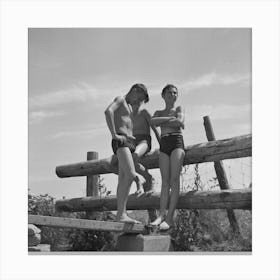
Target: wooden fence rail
{"type": "Point", "coordinates": [216, 199]}
{"type": "Point", "coordinates": [236, 147]}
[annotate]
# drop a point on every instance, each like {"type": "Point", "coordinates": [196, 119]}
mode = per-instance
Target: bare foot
{"type": "Point", "coordinates": [157, 221]}
{"type": "Point", "coordinates": [127, 219]}
{"type": "Point", "coordinates": [149, 193]}
{"type": "Point", "coordinates": [139, 186]}
{"type": "Point", "coordinates": [149, 186]}
{"type": "Point", "coordinates": [139, 190]}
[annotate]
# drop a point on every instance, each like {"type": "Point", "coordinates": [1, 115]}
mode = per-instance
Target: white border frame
{"type": "Point", "coordinates": [17, 16]}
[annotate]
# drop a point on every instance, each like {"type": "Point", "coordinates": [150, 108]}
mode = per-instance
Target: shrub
{"type": "Point", "coordinates": [209, 230]}
{"type": "Point", "coordinates": [63, 239]}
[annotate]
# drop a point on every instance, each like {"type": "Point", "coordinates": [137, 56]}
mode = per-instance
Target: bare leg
{"type": "Point", "coordinates": [164, 195]}
{"type": "Point", "coordinates": [126, 176]}
{"type": "Point", "coordinates": [139, 186]}
{"type": "Point", "coordinates": [176, 163]}
{"type": "Point", "coordinates": [140, 169]}
{"type": "Point", "coordinates": [114, 164]}
{"type": "Point", "coordinates": [115, 170]}
{"type": "Point", "coordinates": [148, 186]}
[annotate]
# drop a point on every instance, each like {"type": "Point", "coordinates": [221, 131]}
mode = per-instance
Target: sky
{"type": "Point", "coordinates": [74, 73]}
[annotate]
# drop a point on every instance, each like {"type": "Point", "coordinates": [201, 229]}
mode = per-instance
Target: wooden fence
{"type": "Point", "coordinates": [212, 151]}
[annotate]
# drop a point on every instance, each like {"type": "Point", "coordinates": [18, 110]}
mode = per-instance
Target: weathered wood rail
{"type": "Point", "coordinates": [216, 199]}
{"type": "Point", "coordinates": [85, 224]}
{"type": "Point", "coordinates": [212, 151]}
{"type": "Point", "coordinates": [236, 147]}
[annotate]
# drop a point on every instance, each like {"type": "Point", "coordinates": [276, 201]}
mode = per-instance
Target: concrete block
{"type": "Point", "coordinates": [32, 229]}
{"type": "Point", "coordinates": [40, 248]}
{"type": "Point", "coordinates": [34, 240]}
{"type": "Point", "coordinates": [144, 243]}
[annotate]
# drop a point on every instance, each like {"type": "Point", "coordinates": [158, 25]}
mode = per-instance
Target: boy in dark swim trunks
{"type": "Point", "coordinates": [141, 120]}
{"type": "Point", "coordinates": [172, 153]}
{"type": "Point", "coordinates": [118, 118]}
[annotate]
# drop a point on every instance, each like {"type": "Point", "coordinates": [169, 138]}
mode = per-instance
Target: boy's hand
{"type": "Point", "coordinates": [122, 138]}
{"type": "Point", "coordinates": [131, 137]}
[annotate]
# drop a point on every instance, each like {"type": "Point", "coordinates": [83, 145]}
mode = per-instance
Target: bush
{"type": "Point", "coordinates": [63, 239]}
{"type": "Point", "coordinates": [209, 230]}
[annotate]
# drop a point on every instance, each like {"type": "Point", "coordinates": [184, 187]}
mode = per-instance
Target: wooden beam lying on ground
{"type": "Point", "coordinates": [85, 224]}
{"type": "Point", "coordinates": [218, 199]}
{"type": "Point", "coordinates": [235, 147]}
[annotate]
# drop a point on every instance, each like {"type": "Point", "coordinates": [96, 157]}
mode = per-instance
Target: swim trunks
{"type": "Point", "coordinates": [170, 142]}
{"type": "Point", "coordinates": [144, 138]}
{"type": "Point", "coordinates": [128, 142]}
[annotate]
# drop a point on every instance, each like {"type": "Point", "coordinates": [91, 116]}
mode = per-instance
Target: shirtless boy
{"type": "Point", "coordinates": [141, 120]}
{"type": "Point", "coordinates": [171, 121]}
{"type": "Point", "coordinates": [119, 120]}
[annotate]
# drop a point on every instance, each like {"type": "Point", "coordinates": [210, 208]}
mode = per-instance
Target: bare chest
{"type": "Point", "coordinates": [139, 123]}
{"type": "Point", "coordinates": [169, 113]}
{"type": "Point", "coordinates": [123, 116]}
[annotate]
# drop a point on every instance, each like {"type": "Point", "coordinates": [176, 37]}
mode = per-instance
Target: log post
{"type": "Point", "coordinates": [92, 184]}
{"type": "Point", "coordinates": [221, 174]}
{"type": "Point", "coordinates": [92, 188]}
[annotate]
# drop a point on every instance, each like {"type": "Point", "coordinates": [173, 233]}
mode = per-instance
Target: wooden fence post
{"type": "Point", "coordinates": [92, 180]}
{"type": "Point", "coordinates": [221, 174]}
{"type": "Point", "coordinates": [92, 184]}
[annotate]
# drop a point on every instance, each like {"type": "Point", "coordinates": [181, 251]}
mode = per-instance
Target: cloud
{"type": "Point", "coordinates": [84, 92]}
{"type": "Point", "coordinates": [221, 112]}
{"type": "Point", "coordinates": [87, 133]}
{"type": "Point", "coordinates": [214, 79]}
{"type": "Point", "coordinates": [38, 116]}
{"type": "Point", "coordinates": [81, 92]}
{"type": "Point", "coordinates": [203, 81]}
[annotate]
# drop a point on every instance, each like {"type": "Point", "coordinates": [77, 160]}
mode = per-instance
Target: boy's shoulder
{"type": "Point", "coordinates": [119, 99]}
{"type": "Point", "coordinates": [159, 112]}
{"type": "Point", "coordinates": [144, 112]}
{"type": "Point", "coordinates": [179, 108]}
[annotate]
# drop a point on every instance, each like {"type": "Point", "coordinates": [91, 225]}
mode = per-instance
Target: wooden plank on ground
{"type": "Point", "coordinates": [85, 224]}
{"type": "Point", "coordinates": [215, 199]}
{"type": "Point", "coordinates": [236, 147]}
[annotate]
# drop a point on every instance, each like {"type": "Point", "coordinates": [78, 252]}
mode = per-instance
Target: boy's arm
{"type": "Point", "coordinates": [179, 121]}
{"type": "Point", "coordinates": [109, 114]}
{"type": "Point", "coordinates": [157, 120]}
{"type": "Point", "coordinates": [181, 116]}
{"type": "Point", "coordinates": [148, 117]}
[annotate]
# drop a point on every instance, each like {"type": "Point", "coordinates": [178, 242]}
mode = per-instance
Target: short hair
{"type": "Point", "coordinates": [167, 87]}
{"type": "Point", "coordinates": [141, 88]}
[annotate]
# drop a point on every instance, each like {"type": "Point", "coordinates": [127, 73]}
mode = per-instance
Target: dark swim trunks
{"type": "Point", "coordinates": [128, 142]}
{"type": "Point", "coordinates": [144, 138]}
{"type": "Point", "coordinates": [170, 142]}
